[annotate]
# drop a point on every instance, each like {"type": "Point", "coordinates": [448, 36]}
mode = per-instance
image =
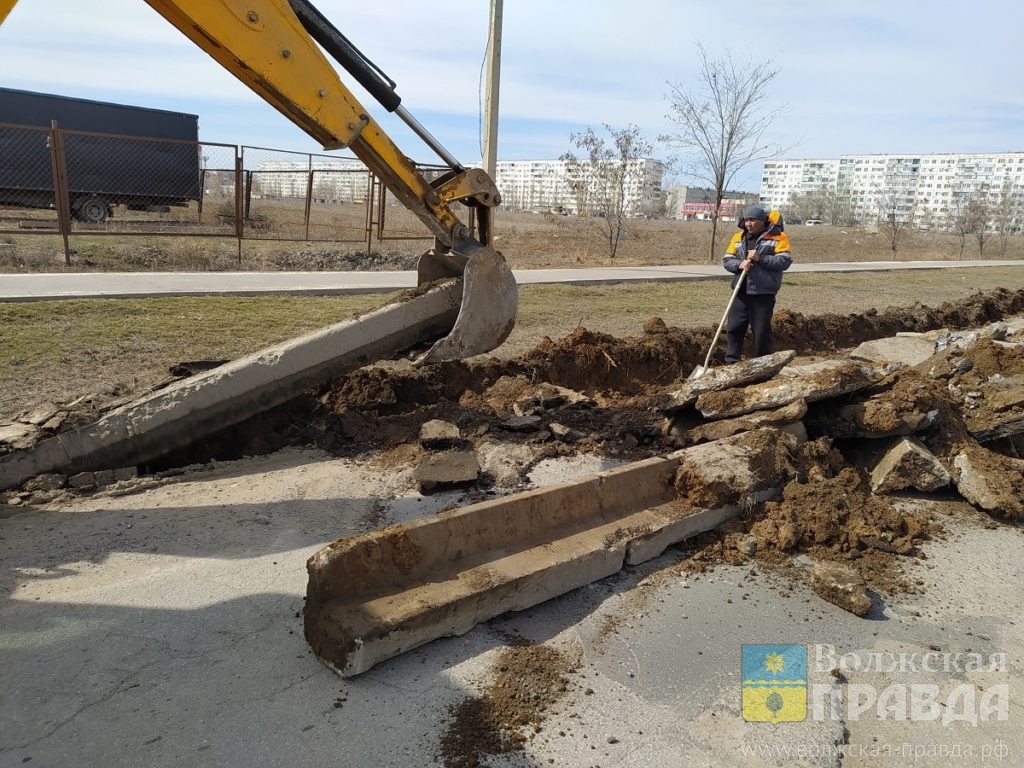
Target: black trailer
{"type": "Point", "coordinates": [113, 154]}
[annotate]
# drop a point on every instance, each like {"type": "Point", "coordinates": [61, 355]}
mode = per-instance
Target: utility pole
{"type": "Point", "coordinates": [490, 158]}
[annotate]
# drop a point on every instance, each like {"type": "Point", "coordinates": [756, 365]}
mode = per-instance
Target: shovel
{"type": "Point", "coordinates": [700, 370]}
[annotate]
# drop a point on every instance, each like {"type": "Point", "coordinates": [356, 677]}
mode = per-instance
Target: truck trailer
{"type": "Point", "coordinates": [114, 154]}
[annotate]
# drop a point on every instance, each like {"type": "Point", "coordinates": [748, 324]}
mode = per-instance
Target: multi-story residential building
{"type": "Point", "coordinates": [928, 190]}
{"type": "Point", "coordinates": [525, 185]}
{"type": "Point", "coordinates": [545, 185]}
{"type": "Point", "coordinates": [328, 180]}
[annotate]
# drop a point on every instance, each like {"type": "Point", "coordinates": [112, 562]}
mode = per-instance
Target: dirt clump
{"type": "Point", "coordinates": [528, 680]}
{"type": "Point", "coordinates": [827, 511]}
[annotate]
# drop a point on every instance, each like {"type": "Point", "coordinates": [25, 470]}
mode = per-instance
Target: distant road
{"type": "Point", "coordinates": [114, 285]}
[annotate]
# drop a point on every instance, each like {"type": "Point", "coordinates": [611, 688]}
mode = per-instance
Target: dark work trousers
{"type": "Point", "coordinates": [754, 310]}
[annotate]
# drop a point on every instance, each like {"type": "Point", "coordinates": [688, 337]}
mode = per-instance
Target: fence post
{"type": "Point", "coordinates": [238, 203]}
{"type": "Point", "coordinates": [202, 194]}
{"type": "Point", "coordinates": [370, 181]}
{"type": "Point", "coordinates": [309, 194]}
{"type": "Point", "coordinates": [60, 186]}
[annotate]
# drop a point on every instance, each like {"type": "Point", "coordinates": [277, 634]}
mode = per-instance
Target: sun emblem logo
{"type": "Point", "coordinates": [774, 688]}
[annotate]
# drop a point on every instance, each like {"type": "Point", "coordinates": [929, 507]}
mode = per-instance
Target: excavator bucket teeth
{"type": "Point", "coordinates": [487, 314]}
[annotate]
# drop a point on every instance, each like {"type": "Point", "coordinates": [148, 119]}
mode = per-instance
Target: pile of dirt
{"type": "Point", "coordinates": [526, 682]}
{"type": "Point", "coordinates": [827, 511]}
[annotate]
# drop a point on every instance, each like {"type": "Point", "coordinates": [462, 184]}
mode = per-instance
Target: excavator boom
{"type": "Point", "coordinates": [276, 47]}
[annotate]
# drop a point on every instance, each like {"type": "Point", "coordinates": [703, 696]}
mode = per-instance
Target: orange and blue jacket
{"type": "Point", "coordinates": [774, 258]}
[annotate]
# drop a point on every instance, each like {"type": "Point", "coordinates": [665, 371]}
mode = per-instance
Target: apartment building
{"type": "Point", "coordinates": [545, 185]}
{"type": "Point", "coordinates": [525, 185]}
{"type": "Point", "coordinates": [326, 180]}
{"type": "Point", "coordinates": [930, 190]}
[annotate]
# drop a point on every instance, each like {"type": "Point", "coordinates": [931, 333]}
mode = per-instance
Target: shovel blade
{"type": "Point", "coordinates": [697, 372]}
{"type": "Point", "coordinates": [487, 313]}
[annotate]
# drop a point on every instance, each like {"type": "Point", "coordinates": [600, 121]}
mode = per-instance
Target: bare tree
{"type": "Point", "coordinates": [720, 122]}
{"type": "Point", "coordinates": [835, 206]}
{"type": "Point", "coordinates": [961, 218]}
{"type": "Point", "coordinates": [895, 216]}
{"type": "Point", "coordinates": [980, 211]}
{"type": "Point", "coordinates": [598, 179]}
{"type": "Point", "coordinates": [1007, 211]}
{"type": "Point", "coordinates": [824, 204]}
{"type": "Point", "coordinates": [803, 206]}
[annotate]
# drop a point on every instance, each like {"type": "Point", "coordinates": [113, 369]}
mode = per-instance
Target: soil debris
{"type": "Point", "coordinates": [827, 511]}
{"type": "Point", "coordinates": [528, 680]}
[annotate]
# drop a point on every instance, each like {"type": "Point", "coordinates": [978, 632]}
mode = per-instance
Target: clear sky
{"type": "Point", "coordinates": [856, 77]}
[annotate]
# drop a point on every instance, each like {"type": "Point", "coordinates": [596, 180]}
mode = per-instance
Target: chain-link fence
{"type": "Point", "coordinates": [87, 183]}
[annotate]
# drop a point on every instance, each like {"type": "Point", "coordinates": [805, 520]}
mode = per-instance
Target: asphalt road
{"type": "Point", "coordinates": [82, 285]}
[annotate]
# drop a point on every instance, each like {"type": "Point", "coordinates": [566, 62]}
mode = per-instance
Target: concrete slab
{"type": "Point", "coordinates": [375, 596]}
{"type": "Point", "coordinates": [191, 408]}
{"type": "Point", "coordinates": [810, 382]}
{"type": "Point", "coordinates": [910, 350]}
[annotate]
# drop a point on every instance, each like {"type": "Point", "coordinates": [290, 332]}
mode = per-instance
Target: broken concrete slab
{"type": "Point", "coordinates": [564, 434]}
{"type": "Point", "coordinates": [731, 470]}
{"type": "Point", "coordinates": [506, 463]}
{"type": "Point", "coordinates": [810, 382]}
{"type": "Point", "coordinates": [906, 463]}
{"type": "Point", "coordinates": [374, 596]}
{"type": "Point", "coordinates": [1004, 393]}
{"type": "Point", "coordinates": [841, 585]}
{"type": "Point", "coordinates": [996, 408]}
{"type": "Point", "coordinates": [725, 377]}
{"type": "Point", "coordinates": [679, 433]}
{"type": "Point", "coordinates": [990, 480]}
{"type": "Point", "coordinates": [46, 482]}
{"type": "Point", "coordinates": [911, 404]}
{"type": "Point", "coordinates": [906, 349]}
{"type": "Point", "coordinates": [438, 433]}
{"type": "Point", "coordinates": [40, 415]}
{"type": "Point", "coordinates": [445, 469]}
{"type": "Point", "coordinates": [999, 333]}
{"type": "Point", "coordinates": [549, 396]}
{"type": "Point", "coordinates": [522, 424]}
{"type": "Point", "coordinates": [999, 426]}
{"type": "Point", "coordinates": [17, 435]}
{"type": "Point", "coordinates": [213, 400]}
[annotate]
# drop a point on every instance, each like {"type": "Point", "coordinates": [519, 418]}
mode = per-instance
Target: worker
{"type": "Point", "coordinates": [761, 250]}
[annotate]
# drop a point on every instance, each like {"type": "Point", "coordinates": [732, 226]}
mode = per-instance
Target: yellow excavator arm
{"type": "Point", "coordinates": [276, 47]}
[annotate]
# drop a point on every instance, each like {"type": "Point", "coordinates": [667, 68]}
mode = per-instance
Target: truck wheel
{"type": "Point", "coordinates": [92, 209]}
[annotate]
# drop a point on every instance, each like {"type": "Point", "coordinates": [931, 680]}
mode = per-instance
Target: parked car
{"type": "Point", "coordinates": [813, 223]}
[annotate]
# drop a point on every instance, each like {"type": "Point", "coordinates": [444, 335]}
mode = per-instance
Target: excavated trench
{"type": "Point", "coordinates": [383, 406]}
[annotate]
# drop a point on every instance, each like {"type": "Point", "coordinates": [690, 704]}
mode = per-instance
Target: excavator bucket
{"type": "Point", "coordinates": [487, 313]}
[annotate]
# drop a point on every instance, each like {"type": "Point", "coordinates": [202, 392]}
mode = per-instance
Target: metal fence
{"type": "Point", "coordinates": [77, 183]}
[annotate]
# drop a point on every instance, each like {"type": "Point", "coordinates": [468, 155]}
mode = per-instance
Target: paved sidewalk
{"type": "Point", "coordinates": [65, 285]}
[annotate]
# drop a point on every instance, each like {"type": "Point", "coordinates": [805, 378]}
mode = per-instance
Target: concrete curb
{"type": "Point", "coordinates": [374, 596]}
{"type": "Point", "coordinates": [212, 400]}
